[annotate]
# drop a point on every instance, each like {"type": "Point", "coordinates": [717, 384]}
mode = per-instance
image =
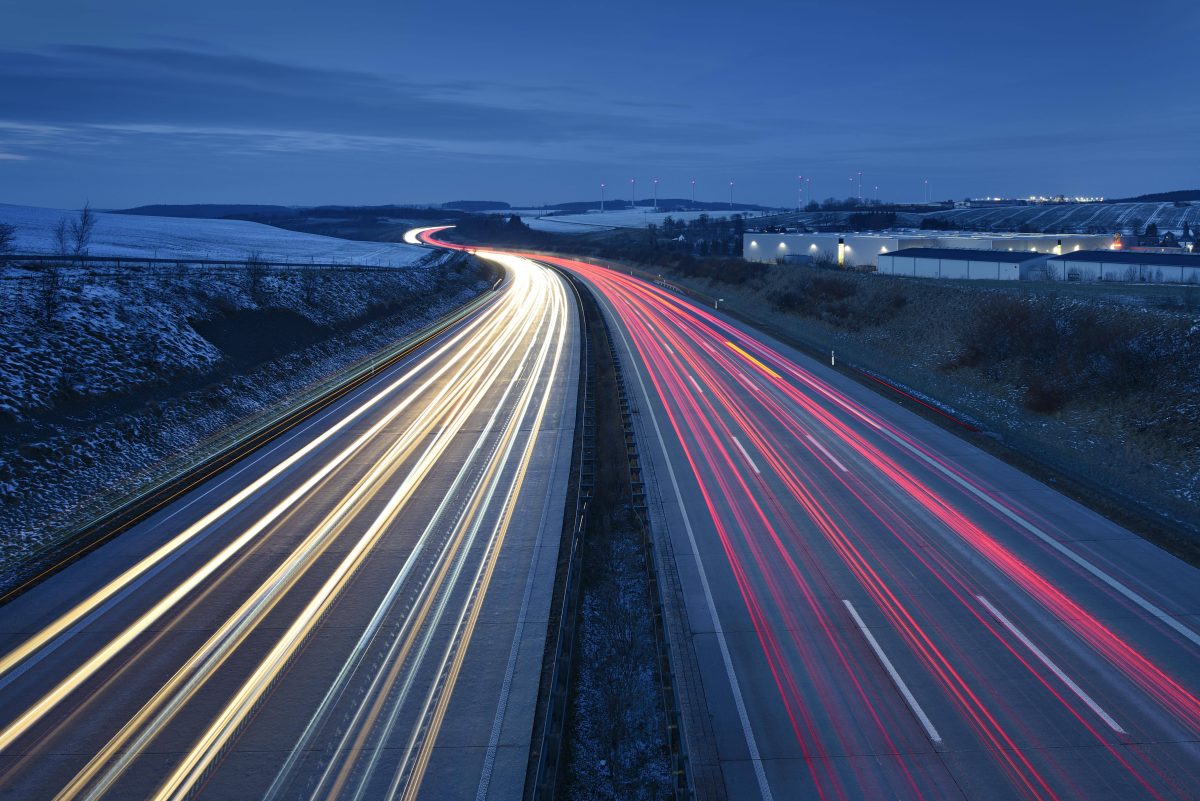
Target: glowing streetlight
{"type": "Point", "coordinates": [731, 195]}
{"type": "Point", "coordinates": [632, 193]}
{"type": "Point", "coordinates": [693, 193]}
{"type": "Point", "coordinates": [656, 194]}
{"type": "Point", "coordinates": [602, 197]}
{"type": "Point", "coordinates": [799, 192]}
{"type": "Point", "coordinates": [860, 192]}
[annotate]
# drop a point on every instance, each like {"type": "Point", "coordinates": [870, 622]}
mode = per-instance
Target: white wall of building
{"type": "Point", "coordinates": [1148, 272]}
{"type": "Point", "coordinates": [861, 249]}
{"type": "Point", "coordinates": [864, 249]}
{"type": "Point", "coordinates": [973, 269]}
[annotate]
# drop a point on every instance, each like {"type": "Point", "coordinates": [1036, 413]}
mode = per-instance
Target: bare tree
{"type": "Point", "coordinates": [309, 280]}
{"type": "Point", "coordinates": [62, 239]}
{"type": "Point", "coordinates": [81, 230]}
{"type": "Point", "coordinates": [256, 273]}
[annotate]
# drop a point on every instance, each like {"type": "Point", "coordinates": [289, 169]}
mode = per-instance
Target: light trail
{"type": "Point", "coordinates": [879, 513]}
{"type": "Point", "coordinates": [476, 401]}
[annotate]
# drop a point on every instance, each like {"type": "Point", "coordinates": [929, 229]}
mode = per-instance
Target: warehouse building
{"type": "Point", "coordinates": [1131, 266]}
{"type": "Point", "coordinates": [863, 250]}
{"type": "Point", "coordinates": [967, 263]}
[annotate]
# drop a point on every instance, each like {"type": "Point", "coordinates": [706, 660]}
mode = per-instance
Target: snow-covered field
{"type": "Point", "coordinates": [1100, 217]}
{"type": "Point", "coordinates": [624, 218]}
{"type": "Point", "coordinates": [183, 238]}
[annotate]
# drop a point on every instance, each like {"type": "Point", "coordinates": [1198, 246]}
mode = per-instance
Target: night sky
{"type": "Point", "coordinates": [143, 101]}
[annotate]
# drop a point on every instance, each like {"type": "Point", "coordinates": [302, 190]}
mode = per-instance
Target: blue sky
{"type": "Point", "coordinates": [133, 101]}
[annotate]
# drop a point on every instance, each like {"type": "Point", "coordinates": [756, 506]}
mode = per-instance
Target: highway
{"type": "Point", "coordinates": [877, 609]}
{"type": "Point", "coordinates": [357, 610]}
{"type": "Point", "coordinates": [880, 610]}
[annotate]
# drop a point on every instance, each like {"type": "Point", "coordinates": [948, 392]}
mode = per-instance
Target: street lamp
{"type": "Point", "coordinates": [633, 193]}
{"type": "Point", "coordinates": [926, 190]}
{"type": "Point", "coordinates": [601, 197]}
{"type": "Point", "coordinates": [656, 194]}
{"type": "Point", "coordinates": [693, 193]}
{"type": "Point", "coordinates": [799, 193]}
{"type": "Point", "coordinates": [860, 194]}
{"type": "Point", "coordinates": [731, 195]}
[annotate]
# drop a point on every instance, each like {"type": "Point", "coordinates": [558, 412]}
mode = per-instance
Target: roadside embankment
{"type": "Point", "coordinates": [127, 374]}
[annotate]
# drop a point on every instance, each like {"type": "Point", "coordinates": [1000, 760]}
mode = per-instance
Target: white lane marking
{"type": "Point", "coordinates": [694, 384]}
{"type": "Point", "coordinates": [1045, 660]}
{"type": "Point", "coordinates": [899, 682]}
{"type": "Point", "coordinates": [760, 773]}
{"type": "Point", "coordinates": [753, 466]}
{"type": "Point", "coordinates": [828, 455]}
{"type": "Point", "coordinates": [1053, 543]}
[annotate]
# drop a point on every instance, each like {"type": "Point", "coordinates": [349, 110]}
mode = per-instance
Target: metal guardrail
{"type": "Point", "coordinates": [549, 756]}
{"type": "Point", "coordinates": [129, 262]}
{"type": "Point", "coordinates": [124, 512]}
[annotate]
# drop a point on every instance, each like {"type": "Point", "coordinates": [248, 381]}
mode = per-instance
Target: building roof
{"type": "Point", "coordinates": [968, 254]}
{"type": "Point", "coordinates": [1132, 257]}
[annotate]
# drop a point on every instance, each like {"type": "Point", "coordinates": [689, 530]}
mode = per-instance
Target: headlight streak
{"type": "Point", "coordinates": [516, 345]}
{"type": "Point", "coordinates": [450, 408]}
{"type": "Point", "coordinates": [80, 614]}
{"type": "Point", "coordinates": [41, 643]}
{"type": "Point", "coordinates": [353, 662]}
{"type": "Point", "coordinates": [195, 764]}
{"type": "Point", "coordinates": [661, 324]}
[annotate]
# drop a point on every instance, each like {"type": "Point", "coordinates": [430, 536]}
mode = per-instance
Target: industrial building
{"type": "Point", "coordinates": [1132, 266]}
{"type": "Point", "coordinates": [864, 249]}
{"type": "Point", "coordinates": [969, 263]}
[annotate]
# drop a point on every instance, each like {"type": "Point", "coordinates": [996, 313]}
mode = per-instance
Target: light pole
{"type": "Point", "coordinates": [877, 191]}
{"type": "Point", "coordinates": [656, 194]}
{"type": "Point", "coordinates": [926, 190]}
{"type": "Point", "coordinates": [693, 193]}
{"type": "Point", "coordinates": [633, 193]}
{"type": "Point", "coordinates": [860, 194]}
{"type": "Point", "coordinates": [602, 198]}
{"type": "Point", "coordinates": [799, 193]}
{"type": "Point", "coordinates": [731, 195]}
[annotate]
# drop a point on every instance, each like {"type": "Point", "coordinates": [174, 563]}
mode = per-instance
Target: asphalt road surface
{"type": "Point", "coordinates": [878, 609]}
{"type": "Point", "coordinates": [356, 611]}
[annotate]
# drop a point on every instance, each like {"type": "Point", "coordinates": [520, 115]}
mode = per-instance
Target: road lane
{"type": "Point", "coordinates": [357, 611]}
{"type": "Point", "coordinates": [858, 504]}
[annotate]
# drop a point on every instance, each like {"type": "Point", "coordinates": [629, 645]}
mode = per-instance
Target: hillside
{"type": "Point", "coordinates": [192, 238]}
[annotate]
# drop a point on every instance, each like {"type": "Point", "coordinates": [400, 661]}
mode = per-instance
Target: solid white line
{"type": "Point", "coordinates": [1045, 660]}
{"type": "Point", "coordinates": [760, 773]}
{"type": "Point", "coordinates": [753, 466]}
{"type": "Point", "coordinates": [899, 682]}
{"type": "Point", "coordinates": [828, 455]}
{"type": "Point", "coordinates": [694, 384]}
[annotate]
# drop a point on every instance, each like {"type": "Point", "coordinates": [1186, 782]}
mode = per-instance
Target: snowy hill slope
{"type": "Point", "coordinates": [191, 238]}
